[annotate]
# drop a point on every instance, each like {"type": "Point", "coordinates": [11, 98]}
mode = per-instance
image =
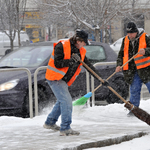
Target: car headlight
{"type": "Point", "coordinates": [8, 85]}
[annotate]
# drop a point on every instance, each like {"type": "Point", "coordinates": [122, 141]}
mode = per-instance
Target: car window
{"type": "Point", "coordinates": [95, 53]}
{"type": "Point", "coordinates": [27, 56]}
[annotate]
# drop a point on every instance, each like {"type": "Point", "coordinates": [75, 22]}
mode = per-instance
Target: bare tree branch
{"type": "Point", "coordinates": [92, 14]}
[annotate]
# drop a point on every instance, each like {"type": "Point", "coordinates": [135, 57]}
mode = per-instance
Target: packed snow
{"type": "Point", "coordinates": [94, 123]}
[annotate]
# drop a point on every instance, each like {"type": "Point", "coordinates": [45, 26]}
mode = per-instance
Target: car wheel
{"type": "Point", "coordinates": [43, 101]}
{"type": "Point", "coordinates": [121, 88]}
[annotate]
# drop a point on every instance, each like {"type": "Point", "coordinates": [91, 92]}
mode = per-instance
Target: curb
{"type": "Point", "coordinates": [107, 142]}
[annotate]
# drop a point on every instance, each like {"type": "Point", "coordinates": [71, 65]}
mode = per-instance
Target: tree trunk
{"type": "Point", "coordinates": [19, 43]}
{"type": "Point", "coordinates": [49, 33]}
{"type": "Point", "coordinates": [97, 35]}
{"type": "Point", "coordinates": [12, 44]}
{"type": "Point", "coordinates": [17, 19]}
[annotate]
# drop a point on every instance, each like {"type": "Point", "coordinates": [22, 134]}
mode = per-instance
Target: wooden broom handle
{"type": "Point", "coordinates": [123, 65]}
{"type": "Point", "coordinates": [115, 72]}
{"type": "Point", "coordinates": [88, 68]}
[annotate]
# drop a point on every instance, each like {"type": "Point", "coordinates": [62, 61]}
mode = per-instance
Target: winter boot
{"type": "Point", "coordinates": [53, 127]}
{"type": "Point", "coordinates": [69, 132]}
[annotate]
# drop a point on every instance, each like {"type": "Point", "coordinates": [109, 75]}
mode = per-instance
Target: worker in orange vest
{"type": "Point", "coordinates": [137, 71]}
{"type": "Point", "coordinates": [63, 69]}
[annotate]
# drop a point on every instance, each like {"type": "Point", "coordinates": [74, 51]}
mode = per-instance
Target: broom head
{"type": "Point", "coordinates": [138, 112]}
{"type": "Point", "coordinates": [82, 100]}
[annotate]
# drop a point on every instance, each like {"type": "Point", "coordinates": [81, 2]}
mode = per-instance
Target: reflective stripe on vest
{"type": "Point", "coordinates": [140, 60]}
{"type": "Point", "coordinates": [56, 70]}
{"type": "Point", "coordinates": [53, 73]}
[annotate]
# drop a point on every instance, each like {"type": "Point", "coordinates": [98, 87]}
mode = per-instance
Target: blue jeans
{"type": "Point", "coordinates": [135, 90]}
{"type": "Point", "coordinates": [63, 105]}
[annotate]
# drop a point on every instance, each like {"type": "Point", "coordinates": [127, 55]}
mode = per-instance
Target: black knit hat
{"type": "Point", "coordinates": [131, 27]}
{"type": "Point", "coordinates": [82, 34]}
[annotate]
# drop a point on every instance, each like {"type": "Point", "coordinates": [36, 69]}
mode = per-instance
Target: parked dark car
{"type": "Point", "coordinates": [14, 84]}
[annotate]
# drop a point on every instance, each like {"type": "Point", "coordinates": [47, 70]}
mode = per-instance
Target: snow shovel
{"type": "Point", "coordinates": [139, 113]}
{"type": "Point", "coordinates": [83, 99]}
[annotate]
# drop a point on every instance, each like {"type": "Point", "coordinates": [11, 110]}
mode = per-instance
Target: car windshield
{"type": "Point", "coordinates": [27, 57]}
{"type": "Point", "coordinates": [95, 53]}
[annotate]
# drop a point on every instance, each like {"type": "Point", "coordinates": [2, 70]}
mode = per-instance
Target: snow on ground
{"type": "Point", "coordinates": [94, 123]}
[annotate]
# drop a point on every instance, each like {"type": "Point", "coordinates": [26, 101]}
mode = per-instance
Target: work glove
{"type": "Point", "coordinates": [75, 57]}
{"type": "Point", "coordinates": [71, 61]}
{"type": "Point", "coordinates": [106, 83]}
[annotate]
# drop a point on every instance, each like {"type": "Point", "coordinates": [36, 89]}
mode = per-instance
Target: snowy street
{"type": "Point", "coordinates": [95, 124]}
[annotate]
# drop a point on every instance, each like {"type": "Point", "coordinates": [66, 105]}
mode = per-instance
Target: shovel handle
{"type": "Point", "coordinates": [99, 78]}
{"type": "Point", "coordinates": [115, 72]}
{"type": "Point", "coordinates": [123, 65]}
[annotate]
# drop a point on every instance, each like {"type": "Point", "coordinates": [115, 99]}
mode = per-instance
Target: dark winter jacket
{"type": "Point", "coordinates": [60, 62]}
{"type": "Point", "coordinates": [143, 73]}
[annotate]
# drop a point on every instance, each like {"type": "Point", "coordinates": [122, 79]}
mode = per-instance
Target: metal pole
{"type": "Point", "coordinates": [36, 88]}
{"type": "Point", "coordinates": [92, 87]}
{"type": "Point", "coordinates": [88, 85]}
{"type": "Point", "coordinates": [92, 78]}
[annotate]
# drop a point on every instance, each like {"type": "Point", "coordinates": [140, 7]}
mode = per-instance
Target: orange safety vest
{"type": "Point", "coordinates": [53, 73]}
{"type": "Point", "coordinates": [140, 60]}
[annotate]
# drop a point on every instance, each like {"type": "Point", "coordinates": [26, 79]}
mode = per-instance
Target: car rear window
{"type": "Point", "coordinates": [95, 53]}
